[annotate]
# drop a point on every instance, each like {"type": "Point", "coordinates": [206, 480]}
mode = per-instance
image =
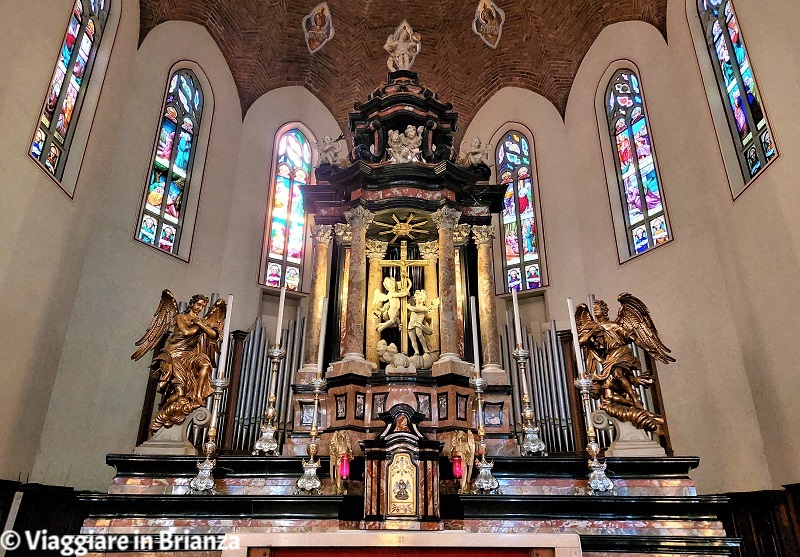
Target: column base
{"type": "Point", "coordinates": [305, 374]}
{"type": "Point", "coordinates": [451, 363]}
{"type": "Point", "coordinates": [355, 366]}
{"type": "Point", "coordinates": [494, 374]}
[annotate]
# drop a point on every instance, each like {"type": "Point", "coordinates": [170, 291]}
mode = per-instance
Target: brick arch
{"type": "Point", "coordinates": [541, 49]}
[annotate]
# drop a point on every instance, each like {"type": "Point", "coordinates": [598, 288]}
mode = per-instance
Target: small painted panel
{"type": "Point", "coordinates": [318, 27]}
{"type": "Point", "coordinates": [488, 22]}
{"type": "Point", "coordinates": [402, 486]}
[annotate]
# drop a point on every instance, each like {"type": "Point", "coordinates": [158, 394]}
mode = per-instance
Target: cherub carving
{"type": "Point", "coordinates": [339, 446]}
{"type": "Point", "coordinates": [612, 365]}
{"type": "Point", "coordinates": [328, 149]}
{"type": "Point", "coordinates": [405, 146]}
{"type": "Point", "coordinates": [191, 342]}
{"type": "Point", "coordinates": [463, 444]}
{"type": "Point", "coordinates": [475, 154]}
{"type": "Point", "coordinates": [387, 306]}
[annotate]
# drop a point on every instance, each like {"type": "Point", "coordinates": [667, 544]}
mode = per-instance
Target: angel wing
{"type": "Point", "coordinates": [215, 318]}
{"type": "Point", "coordinates": [584, 321]}
{"type": "Point", "coordinates": [470, 447]}
{"type": "Point", "coordinates": [163, 321]}
{"type": "Point", "coordinates": [634, 318]}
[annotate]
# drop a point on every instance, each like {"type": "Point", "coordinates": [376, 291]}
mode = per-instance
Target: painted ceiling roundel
{"type": "Point", "coordinates": [541, 47]}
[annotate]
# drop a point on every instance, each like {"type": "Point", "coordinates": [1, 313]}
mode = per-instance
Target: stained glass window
{"type": "Point", "coordinates": [640, 188]}
{"type": "Point", "coordinates": [286, 227]}
{"type": "Point", "coordinates": [163, 210]}
{"type": "Point", "coordinates": [65, 94]}
{"type": "Point", "coordinates": [522, 267]}
{"type": "Point", "coordinates": [749, 127]}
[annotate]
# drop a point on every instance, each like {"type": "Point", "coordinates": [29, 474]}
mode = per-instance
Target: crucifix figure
{"type": "Point", "coordinates": [392, 307]}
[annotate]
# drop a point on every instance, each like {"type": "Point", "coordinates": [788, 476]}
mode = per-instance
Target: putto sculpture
{"type": "Point", "coordinates": [405, 146]}
{"type": "Point", "coordinates": [403, 46]}
{"type": "Point", "coordinates": [612, 366]}
{"type": "Point", "coordinates": [474, 153]}
{"type": "Point", "coordinates": [186, 346]}
{"type": "Point", "coordinates": [328, 150]}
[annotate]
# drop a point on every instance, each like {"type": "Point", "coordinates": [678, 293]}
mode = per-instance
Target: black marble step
{"type": "Point", "coordinates": [671, 545]}
{"type": "Point", "coordinates": [312, 507]}
{"type": "Point", "coordinates": [534, 507]}
{"type": "Point", "coordinates": [157, 466]}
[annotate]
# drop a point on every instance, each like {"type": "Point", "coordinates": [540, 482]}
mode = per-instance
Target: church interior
{"type": "Point", "coordinates": [402, 277]}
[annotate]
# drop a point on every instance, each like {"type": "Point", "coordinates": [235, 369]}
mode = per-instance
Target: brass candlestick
{"type": "Point", "coordinates": [485, 482]}
{"type": "Point", "coordinates": [267, 442]}
{"type": "Point", "coordinates": [598, 481]}
{"type": "Point", "coordinates": [531, 442]}
{"type": "Point", "coordinates": [309, 482]}
{"type": "Point", "coordinates": [204, 480]}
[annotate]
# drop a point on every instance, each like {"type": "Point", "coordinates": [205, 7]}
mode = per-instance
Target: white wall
{"type": "Point", "coordinates": [98, 392]}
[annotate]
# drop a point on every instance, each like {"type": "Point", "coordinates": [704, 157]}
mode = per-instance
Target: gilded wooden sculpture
{"type": "Point", "coordinates": [614, 369]}
{"type": "Point", "coordinates": [186, 345]}
{"type": "Point", "coordinates": [339, 447]}
{"type": "Point", "coordinates": [463, 444]}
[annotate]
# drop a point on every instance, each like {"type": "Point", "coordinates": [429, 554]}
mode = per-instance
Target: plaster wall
{"type": "Point", "coordinates": [97, 397]}
{"type": "Point", "coordinates": [44, 232]}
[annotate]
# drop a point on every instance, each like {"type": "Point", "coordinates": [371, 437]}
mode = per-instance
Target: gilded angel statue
{"type": "Point", "coordinates": [339, 446]}
{"type": "Point", "coordinates": [186, 345]}
{"type": "Point", "coordinates": [613, 366]}
{"type": "Point", "coordinates": [463, 444]}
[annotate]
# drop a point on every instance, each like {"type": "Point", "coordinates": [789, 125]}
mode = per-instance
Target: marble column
{"type": "Point", "coordinates": [446, 218]}
{"type": "Point", "coordinates": [320, 242]}
{"type": "Point", "coordinates": [461, 236]}
{"type": "Point", "coordinates": [430, 252]}
{"type": "Point", "coordinates": [487, 306]}
{"type": "Point", "coordinates": [360, 219]}
{"type": "Point", "coordinates": [376, 252]}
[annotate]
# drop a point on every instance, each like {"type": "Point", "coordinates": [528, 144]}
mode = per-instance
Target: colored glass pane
{"type": "Point", "coordinates": [64, 95]}
{"type": "Point", "coordinates": [514, 279]}
{"type": "Point", "coordinates": [530, 253]}
{"type": "Point", "coordinates": [636, 166]}
{"type": "Point", "coordinates": [170, 172]}
{"type": "Point", "coordinates": [274, 272]}
{"type": "Point", "coordinates": [533, 276]}
{"type": "Point", "coordinates": [147, 230]}
{"type": "Point", "coordinates": [511, 243]}
{"type": "Point", "coordinates": [292, 278]}
{"type": "Point", "coordinates": [737, 84]}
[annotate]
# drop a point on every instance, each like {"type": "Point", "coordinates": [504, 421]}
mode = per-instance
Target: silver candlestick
{"type": "Point", "coordinates": [204, 480]}
{"type": "Point", "coordinates": [485, 482]}
{"type": "Point", "coordinates": [598, 481]}
{"type": "Point", "coordinates": [267, 442]}
{"type": "Point", "coordinates": [531, 442]}
{"type": "Point", "coordinates": [309, 482]}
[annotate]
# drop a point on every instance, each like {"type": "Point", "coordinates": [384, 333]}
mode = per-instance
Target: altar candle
{"type": "Point", "coordinates": [476, 357]}
{"type": "Point", "coordinates": [575, 342]}
{"type": "Point", "coordinates": [517, 326]}
{"type": "Point", "coordinates": [280, 317]}
{"type": "Point", "coordinates": [226, 334]}
{"type": "Point", "coordinates": [322, 332]}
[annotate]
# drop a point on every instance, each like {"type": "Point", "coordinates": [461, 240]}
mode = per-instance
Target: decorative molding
{"type": "Point", "coordinates": [446, 217]}
{"type": "Point", "coordinates": [483, 234]}
{"type": "Point", "coordinates": [321, 233]}
{"type": "Point", "coordinates": [461, 234]}
{"type": "Point", "coordinates": [344, 233]}
{"type": "Point", "coordinates": [359, 217]}
{"type": "Point", "coordinates": [376, 249]}
{"type": "Point", "coordinates": [429, 250]}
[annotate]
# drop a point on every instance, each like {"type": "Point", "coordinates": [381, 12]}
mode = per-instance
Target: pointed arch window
{"type": "Point", "coordinates": [646, 224]}
{"type": "Point", "coordinates": [65, 95]}
{"type": "Point", "coordinates": [285, 232]}
{"type": "Point", "coordinates": [161, 219]}
{"type": "Point", "coordinates": [521, 257]}
{"type": "Point", "coordinates": [750, 130]}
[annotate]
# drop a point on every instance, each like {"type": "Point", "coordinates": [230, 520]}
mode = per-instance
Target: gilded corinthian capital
{"type": "Point", "coordinates": [376, 249]}
{"type": "Point", "coordinates": [429, 250]}
{"type": "Point", "coordinates": [344, 233]}
{"type": "Point", "coordinates": [359, 217]}
{"type": "Point", "coordinates": [446, 217]}
{"type": "Point", "coordinates": [483, 234]}
{"type": "Point", "coordinates": [461, 234]}
{"type": "Point", "coordinates": [321, 233]}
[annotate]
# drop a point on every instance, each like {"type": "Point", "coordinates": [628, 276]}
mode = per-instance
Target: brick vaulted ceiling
{"type": "Point", "coordinates": [541, 49]}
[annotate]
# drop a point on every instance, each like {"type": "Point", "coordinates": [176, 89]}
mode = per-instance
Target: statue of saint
{"type": "Point", "coordinates": [613, 366]}
{"type": "Point", "coordinates": [191, 341]}
{"type": "Point", "coordinates": [387, 306]}
{"type": "Point", "coordinates": [403, 46]}
{"type": "Point", "coordinates": [419, 322]}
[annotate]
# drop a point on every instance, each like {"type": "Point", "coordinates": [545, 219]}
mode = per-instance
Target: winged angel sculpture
{"type": "Point", "coordinates": [186, 345]}
{"type": "Point", "coordinates": [613, 366]}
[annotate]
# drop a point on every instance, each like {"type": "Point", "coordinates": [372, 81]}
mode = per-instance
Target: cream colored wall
{"type": "Point", "coordinates": [759, 238]}
{"type": "Point", "coordinates": [44, 233]}
{"type": "Point", "coordinates": [98, 391]}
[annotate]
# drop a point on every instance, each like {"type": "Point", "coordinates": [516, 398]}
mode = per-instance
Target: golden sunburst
{"type": "Point", "coordinates": [404, 229]}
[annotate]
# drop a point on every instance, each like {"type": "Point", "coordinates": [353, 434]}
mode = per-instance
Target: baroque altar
{"type": "Point", "coordinates": [401, 403]}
